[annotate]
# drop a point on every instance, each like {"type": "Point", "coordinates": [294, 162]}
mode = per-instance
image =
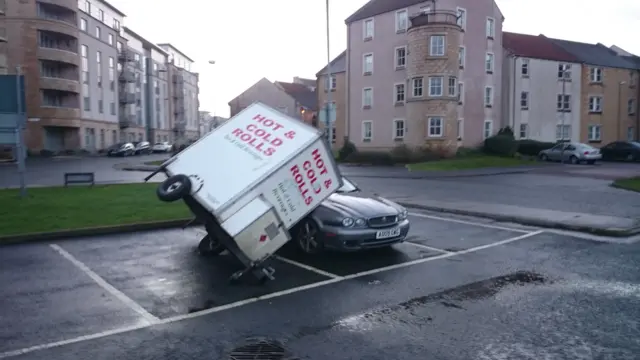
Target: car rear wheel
{"type": "Point", "coordinates": [307, 237]}
{"type": "Point", "coordinates": [631, 157]}
{"type": "Point", "coordinates": [574, 160]}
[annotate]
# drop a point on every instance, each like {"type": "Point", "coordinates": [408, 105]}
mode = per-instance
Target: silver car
{"type": "Point", "coordinates": [574, 152]}
{"type": "Point", "coordinates": [350, 221]}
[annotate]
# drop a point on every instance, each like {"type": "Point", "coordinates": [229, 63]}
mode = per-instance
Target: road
{"type": "Point", "coordinates": [458, 289]}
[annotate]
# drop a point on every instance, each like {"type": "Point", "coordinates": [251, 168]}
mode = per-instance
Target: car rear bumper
{"type": "Point", "coordinates": [591, 157]}
{"type": "Point", "coordinates": [354, 239]}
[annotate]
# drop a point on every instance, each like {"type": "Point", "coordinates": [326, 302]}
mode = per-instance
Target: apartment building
{"type": "Point", "coordinates": [423, 75]}
{"type": "Point", "coordinates": [609, 95]}
{"type": "Point", "coordinates": [183, 94]}
{"type": "Point", "coordinates": [336, 87]}
{"type": "Point", "coordinates": [541, 89]}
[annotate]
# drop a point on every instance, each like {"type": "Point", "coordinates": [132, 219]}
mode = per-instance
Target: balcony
{"type": "Point", "coordinates": [127, 98]}
{"type": "Point", "coordinates": [60, 84]}
{"type": "Point", "coordinates": [126, 55]}
{"type": "Point", "coordinates": [3, 35]}
{"type": "Point", "coordinates": [178, 79]}
{"type": "Point", "coordinates": [436, 17]}
{"type": "Point", "coordinates": [127, 76]}
{"type": "Point", "coordinates": [3, 7]}
{"type": "Point", "coordinates": [127, 121]}
{"type": "Point", "coordinates": [180, 126]}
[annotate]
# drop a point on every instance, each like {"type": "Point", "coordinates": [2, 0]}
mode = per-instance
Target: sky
{"type": "Point", "coordinates": [280, 39]}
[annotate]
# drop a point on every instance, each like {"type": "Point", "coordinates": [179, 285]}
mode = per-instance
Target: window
{"type": "Point", "coordinates": [367, 29]}
{"type": "Point", "coordinates": [112, 108]}
{"type": "Point", "coordinates": [461, 56]}
{"type": "Point", "coordinates": [460, 129]}
{"type": "Point", "coordinates": [564, 71]}
{"type": "Point", "coordinates": [595, 104]}
{"type": "Point", "coordinates": [116, 24]}
{"type": "Point", "coordinates": [367, 98]}
{"type": "Point", "coordinates": [417, 84]}
{"type": "Point", "coordinates": [100, 106]}
{"type": "Point", "coordinates": [462, 18]}
{"type": "Point", "coordinates": [524, 70]}
{"type": "Point", "coordinates": [398, 129]}
{"type": "Point", "coordinates": [488, 64]}
{"type": "Point", "coordinates": [437, 45]}
{"type": "Point", "coordinates": [595, 74]}
{"type": "Point", "coordinates": [425, 9]}
{"type": "Point", "coordinates": [98, 32]}
{"type": "Point", "coordinates": [631, 133]}
{"type": "Point", "coordinates": [401, 57]}
{"type": "Point", "coordinates": [83, 24]}
{"type": "Point", "coordinates": [87, 7]}
{"type": "Point", "coordinates": [524, 100]}
{"type": "Point", "coordinates": [87, 103]}
{"type": "Point", "coordinates": [632, 79]}
{"type": "Point", "coordinates": [453, 87]}
{"type": "Point", "coordinates": [435, 127]}
{"type": "Point", "coordinates": [524, 131]}
{"type": "Point", "coordinates": [402, 21]}
{"type": "Point", "coordinates": [367, 130]}
{"type": "Point", "coordinates": [460, 93]}
{"type": "Point", "coordinates": [487, 129]}
{"type": "Point", "coordinates": [330, 85]}
{"type": "Point", "coordinates": [367, 66]}
{"type": "Point", "coordinates": [491, 28]}
{"type": "Point", "coordinates": [488, 96]}
{"type": "Point", "coordinates": [564, 103]}
{"type": "Point", "coordinates": [111, 39]}
{"type": "Point", "coordinates": [563, 132]}
{"type": "Point", "coordinates": [101, 15]}
{"type": "Point", "coordinates": [631, 107]}
{"type": "Point", "coordinates": [594, 133]}
{"type": "Point", "coordinates": [436, 85]}
{"type": "Point", "coordinates": [84, 51]}
{"type": "Point", "coordinates": [399, 95]}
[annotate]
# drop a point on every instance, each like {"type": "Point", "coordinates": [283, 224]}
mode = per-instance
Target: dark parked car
{"type": "Point", "coordinates": [142, 147]}
{"type": "Point", "coordinates": [121, 149]}
{"type": "Point", "coordinates": [621, 150]}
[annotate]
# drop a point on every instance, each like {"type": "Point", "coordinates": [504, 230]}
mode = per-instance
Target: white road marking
{"type": "Point", "coordinates": [106, 286]}
{"type": "Point", "coordinates": [240, 303]}
{"type": "Point", "coordinates": [307, 267]}
{"type": "Point", "coordinates": [429, 247]}
{"type": "Point", "coordinates": [489, 226]}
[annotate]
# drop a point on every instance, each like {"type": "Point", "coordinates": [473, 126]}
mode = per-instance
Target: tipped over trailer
{"type": "Point", "coordinates": [250, 181]}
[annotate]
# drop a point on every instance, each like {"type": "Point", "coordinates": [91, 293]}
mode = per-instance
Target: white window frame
{"type": "Point", "coordinates": [563, 102]}
{"type": "Point", "coordinates": [454, 86]}
{"type": "Point", "coordinates": [460, 92]}
{"type": "Point", "coordinates": [98, 33]}
{"type": "Point", "coordinates": [364, 64]}
{"type": "Point", "coordinates": [524, 100]}
{"type": "Point", "coordinates": [595, 104]}
{"type": "Point", "coordinates": [487, 133]}
{"type": "Point", "coordinates": [631, 106]}
{"type": "Point", "coordinates": [395, 93]}
{"type": "Point", "coordinates": [489, 62]}
{"type": "Point", "coordinates": [439, 127]}
{"type": "Point", "coordinates": [594, 133]}
{"type": "Point", "coordinates": [364, 29]}
{"type": "Point", "coordinates": [462, 55]}
{"type": "Point", "coordinates": [414, 87]}
{"type": "Point", "coordinates": [632, 78]}
{"type": "Point", "coordinates": [403, 129]}
{"type": "Point", "coordinates": [432, 86]}
{"type": "Point", "coordinates": [491, 28]}
{"type": "Point", "coordinates": [525, 68]}
{"type": "Point", "coordinates": [84, 24]}
{"type": "Point", "coordinates": [434, 49]}
{"type": "Point", "coordinates": [330, 84]}
{"type": "Point", "coordinates": [565, 69]}
{"type": "Point", "coordinates": [488, 93]}
{"type": "Point", "coordinates": [631, 133]}
{"type": "Point", "coordinates": [460, 129]}
{"type": "Point", "coordinates": [425, 9]}
{"type": "Point", "coordinates": [524, 131]}
{"type": "Point", "coordinates": [563, 133]}
{"type": "Point", "coordinates": [396, 58]}
{"type": "Point", "coordinates": [595, 74]}
{"type": "Point", "coordinates": [364, 135]}
{"type": "Point", "coordinates": [364, 98]}
{"type": "Point", "coordinates": [399, 29]}
{"type": "Point", "coordinates": [462, 17]}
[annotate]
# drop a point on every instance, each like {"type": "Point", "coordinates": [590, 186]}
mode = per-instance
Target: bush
{"type": "Point", "coordinates": [467, 152]}
{"type": "Point", "coordinates": [500, 145]}
{"type": "Point", "coordinates": [402, 154]}
{"type": "Point", "coordinates": [371, 158]}
{"type": "Point", "coordinates": [346, 150]}
{"type": "Point", "coordinates": [533, 147]}
{"type": "Point", "coordinates": [507, 131]}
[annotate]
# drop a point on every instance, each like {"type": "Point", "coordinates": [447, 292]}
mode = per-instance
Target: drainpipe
{"type": "Point", "coordinates": [347, 130]}
{"type": "Point", "coordinates": [513, 95]}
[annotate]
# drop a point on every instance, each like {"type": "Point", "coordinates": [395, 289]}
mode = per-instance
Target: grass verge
{"type": "Point", "coordinates": [466, 163]}
{"type": "Point", "coordinates": [59, 208]}
{"type": "Point", "coordinates": [632, 184]}
{"type": "Point", "coordinates": [154, 163]}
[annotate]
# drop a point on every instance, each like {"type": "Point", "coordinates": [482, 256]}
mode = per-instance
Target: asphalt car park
{"type": "Point", "coordinates": [120, 293]}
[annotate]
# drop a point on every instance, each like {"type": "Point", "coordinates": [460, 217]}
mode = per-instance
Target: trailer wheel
{"type": "Point", "coordinates": [210, 247]}
{"type": "Point", "coordinates": [174, 188]}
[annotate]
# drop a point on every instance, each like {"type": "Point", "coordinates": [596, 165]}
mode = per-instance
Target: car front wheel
{"type": "Point", "coordinates": [544, 157]}
{"type": "Point", "coordinates": [307, 237]}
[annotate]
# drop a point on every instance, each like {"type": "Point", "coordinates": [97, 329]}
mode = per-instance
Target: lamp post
{"type": "Point", "coordinates": [201, 122]}
{"type": "Point", "coordinates": [329, 85]}
{"type": "Point", "coordinates": [619, 121]}
{"type": "Point", "coordinates": [564, 110]}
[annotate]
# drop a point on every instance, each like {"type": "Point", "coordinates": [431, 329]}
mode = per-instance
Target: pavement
{"type": "Point", "coordinates": [459, 288]}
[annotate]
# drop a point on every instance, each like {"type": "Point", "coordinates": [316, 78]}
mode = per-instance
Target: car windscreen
{"type": "Point", "coordinates": [635, 143]}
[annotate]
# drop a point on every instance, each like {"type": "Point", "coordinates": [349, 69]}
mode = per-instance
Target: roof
{"type": "Point", "coordinates": [536, 47]}
{"type": "Point", "coordinates": [144, 41]}
{"type": "Point", "coordinates": [634, 60]}
{"type": "Point", "coordinates": [377, 7]}
{"type": "Point", "coordinates": [113, 8]}
{"type": "Point", "coordinates": [338, 65]}
{"type": "Point", "coordinates": [301, 93]}
{"type": "Point", "coordinates": [594, 54]}
{"type": "Point", "coordinates": [178, 51]}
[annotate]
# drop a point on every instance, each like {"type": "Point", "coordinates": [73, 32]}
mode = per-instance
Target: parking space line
{"type": "Point", "coordinates": [488, 226]}
{"type": "Point", "coordinates": [106, 286]}
{"type": "Point", "coordinates": [307, 267]}
{"type": "Point", "coordinates": [277, 294]}
{"type": "Point", "coordinates": [429, 247]}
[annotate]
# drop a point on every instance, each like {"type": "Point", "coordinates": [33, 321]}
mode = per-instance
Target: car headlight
{"type": "Point", "coordinates": [360, 222]}
{"type": "Point", "coordinates": [348, 222]}
{"type": "Point", "coordinates": [403, 214]}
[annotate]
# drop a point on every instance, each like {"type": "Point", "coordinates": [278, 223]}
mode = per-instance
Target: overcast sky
{"type": "Point", "coordinates": [280, 39]}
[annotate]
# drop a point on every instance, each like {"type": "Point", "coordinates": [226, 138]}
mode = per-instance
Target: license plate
{"type": "Point", "coordinates": [385, 234]}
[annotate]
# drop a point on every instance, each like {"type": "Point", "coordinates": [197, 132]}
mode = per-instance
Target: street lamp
{"type": "Point", "coordinates": [201, 122]}
{"type": "Point", "coordinates": [328, 118]}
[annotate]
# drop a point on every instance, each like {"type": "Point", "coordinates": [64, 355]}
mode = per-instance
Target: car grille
{"type": "Point", "coordinates": [383, 221]}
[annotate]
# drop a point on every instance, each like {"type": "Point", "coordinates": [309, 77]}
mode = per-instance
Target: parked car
{"type": "Point", "coordinates": [142, 147]}
{"type": "Point", "coordinates": [621, 150]}
{"type": "Point", "coordinates": [121, 149]}
{"type": "Point", "coordinates": [574, 153]}
{"type": "Point", "coordinates": [346, 221]}
{"type": "Point", "coordinates": [163, 147]}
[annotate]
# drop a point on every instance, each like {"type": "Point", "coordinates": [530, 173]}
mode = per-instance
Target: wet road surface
{"type": "Point", "coordinates": [458, 289]}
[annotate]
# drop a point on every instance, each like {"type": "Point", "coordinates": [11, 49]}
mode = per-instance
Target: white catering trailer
{"type": "Point", "coordinates": [251, 180]}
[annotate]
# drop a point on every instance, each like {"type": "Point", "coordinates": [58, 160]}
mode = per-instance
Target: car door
{"type": "Point", "coordinates": [608, 151]}
{"type": "Point", "coordinates": [569, 151]}
{"type": "Point", "coordinates": [554, 152]}
{"type": "Point", "coordinates": [626, 151]}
